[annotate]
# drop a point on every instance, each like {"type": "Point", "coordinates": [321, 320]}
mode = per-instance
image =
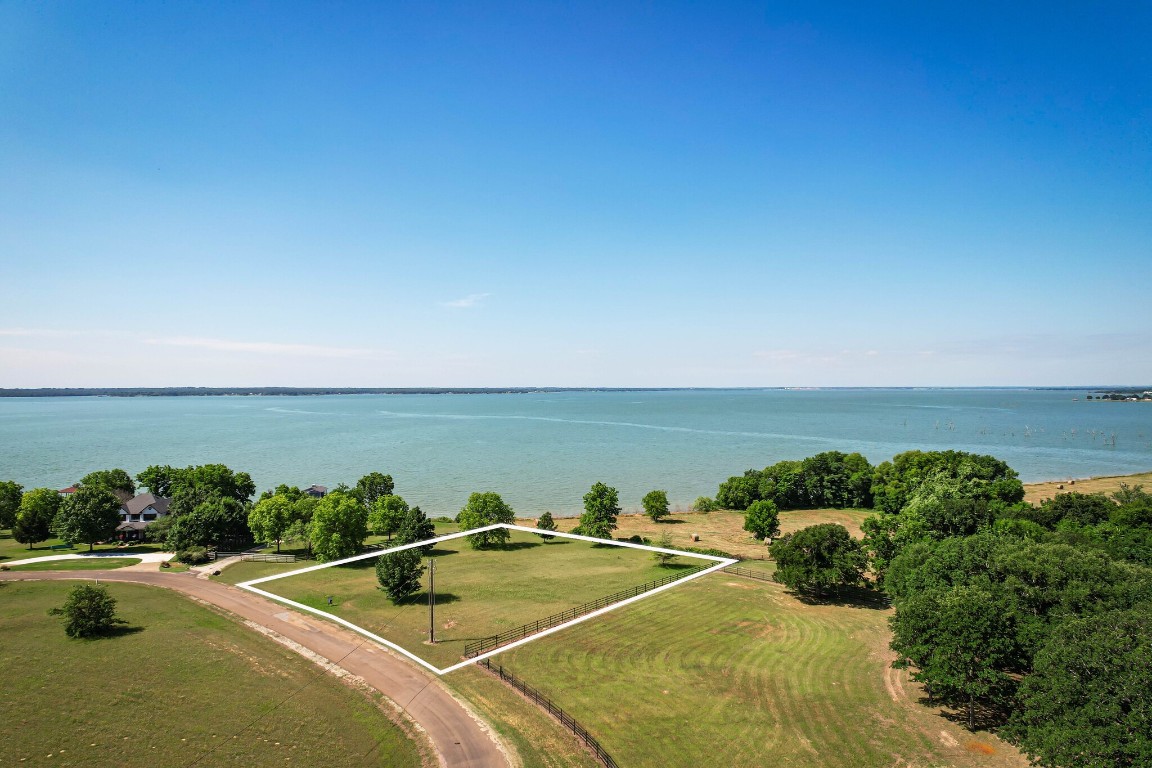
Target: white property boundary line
{"type": "Point", "coordinates": [721, 562]}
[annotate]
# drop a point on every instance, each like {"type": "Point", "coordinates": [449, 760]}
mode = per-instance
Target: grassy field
{"type": "Point", "coordinates": [182, 683]}
{"type": "Point", "coordinates": [1037, 492]}
{"type": "Point", "coordinates": [735, 672]}
{"type": "Point", "coordinates": [479, 593]}
{"type": "Point", "coordinates": [85, 564]}
{"type": "Point", "coordinates": [723, 530]}
{"type": "Point", "coordinates": [10, 549]}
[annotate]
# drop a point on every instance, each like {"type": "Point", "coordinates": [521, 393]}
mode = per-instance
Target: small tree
{"type": "Point", "coordinates": [819, 558]}
{"type": "Point", "coordinates": [399, 574]}
{"type": "Point", "coordinates": [373, 487]}
{"type": "Point", "coordinates": [88, 516]}
{"type": "Point", "coordinates": [665, 542]}
{"type": "Point", "coordinates": [546, 523]}
{"type": "Point", "coordinates": [762, 520]}
{"type": "Point", "coordinates": [601, 507]}
{"type": "Point", "coordinates": [387, 514]}
{"type": "Point", "coordinates": [116, 480]}
{"type": "Point", "coordinates": [90, 611]}
{"type": "Point", "coordinates": [416, 527]}
{"type": "Point", "coordinates": [339, 527]}
{"type": "Point", "coordinates": [34, 519]}
{"type": "Point", "coordinates": [271, 518]}
{"type": "Point", "coordinates": [655, 505]}
{"type": "Point", "coordinates": [704, 504]}
{"type": "Point", "coordinates": [485, 509]}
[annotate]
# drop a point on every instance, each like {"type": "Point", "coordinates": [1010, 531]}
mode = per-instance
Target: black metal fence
{"type": "Point", "coordinates": [477, 647]}
{"type": "Point", "coordinates": [748, 573]}
{"type": "Point", "coordinates": [547, 704]}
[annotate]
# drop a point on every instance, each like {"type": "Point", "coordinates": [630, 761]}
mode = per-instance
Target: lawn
{"type": "Point", "coordinates": [10, 549]}
{"type": "Point", "coordinates": [722, 529]}
{"type": "Point", "coordinates": [478, 592]}
{"type": "Point", "coordinates": [735, 672]}
{"type": "Point", "coordinates": [79, 564]}
{"type": "Point", "coordinates": [182, 684]}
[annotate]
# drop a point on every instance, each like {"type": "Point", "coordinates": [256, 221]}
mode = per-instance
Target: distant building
{"type": "Point", "coordinates": [316, 491]}
{"type": "Point", "coordinates": [68, 491]}
{"type": "Point", "coordinates": [138, 513]}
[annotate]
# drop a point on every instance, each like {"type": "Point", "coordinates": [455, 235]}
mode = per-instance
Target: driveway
{"type": "Point", "coordinates": [458, 737]}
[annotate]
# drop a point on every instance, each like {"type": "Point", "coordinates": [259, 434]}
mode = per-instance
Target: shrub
{"type": "Point", "coordinates": [704, 504]}
{"type": "Point", "coordinates": [193, 556]}
{"type": "Point", "coordinates": [90, 611]}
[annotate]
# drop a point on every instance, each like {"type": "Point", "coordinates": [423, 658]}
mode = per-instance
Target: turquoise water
{"type": "Point", "coordinates": [543, 451]}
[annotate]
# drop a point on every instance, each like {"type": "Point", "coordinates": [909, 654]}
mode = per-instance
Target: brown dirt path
{"type": "Point", "coordinates": [458, 736]}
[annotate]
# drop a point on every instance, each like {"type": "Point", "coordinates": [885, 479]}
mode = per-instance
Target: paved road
{"type": "Point", "coordinates": [456, 736]}
{"type": "Point", "coordinates": [143, 557]}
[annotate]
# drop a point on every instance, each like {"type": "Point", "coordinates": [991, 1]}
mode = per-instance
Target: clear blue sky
{"type": "Point", "coordinates": [482, 194]}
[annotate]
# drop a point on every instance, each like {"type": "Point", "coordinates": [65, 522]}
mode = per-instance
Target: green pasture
{"type": "Point", "coordinates": [10, 549]}
{"type": "Point", "coordinates": [85, 564]}
{"type": "Point", "coordinates": [730, 671]}
{"type": "Point", "coordinates": [179, 685]}
{"type": "Point", "coordinates": [478, 592]}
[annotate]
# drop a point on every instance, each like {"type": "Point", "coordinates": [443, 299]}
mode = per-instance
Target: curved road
{"type": "Point", "coordinates": [456, 736]}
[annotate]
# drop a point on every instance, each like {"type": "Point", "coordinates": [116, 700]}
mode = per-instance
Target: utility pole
{"type": "Point", "coordinates": [432, 600]}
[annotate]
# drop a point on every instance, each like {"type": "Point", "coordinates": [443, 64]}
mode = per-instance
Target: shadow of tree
{"type": "Point", "coordinates": [848, 597]}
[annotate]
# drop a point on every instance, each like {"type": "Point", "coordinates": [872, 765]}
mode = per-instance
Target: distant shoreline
{"type": "Point", "coordinates": [317, 391]}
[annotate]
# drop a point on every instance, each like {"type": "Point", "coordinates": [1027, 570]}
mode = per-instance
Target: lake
{"type": "Point", "coordinates": [543, 450]}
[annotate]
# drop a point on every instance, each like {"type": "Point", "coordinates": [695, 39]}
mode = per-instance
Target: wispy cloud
{"type": "Point", "coordinates": [259, 347]}
{"type": "Point", "coordinates": [40, 332]}
{"type": "Point", "coordinates": [469, 301]}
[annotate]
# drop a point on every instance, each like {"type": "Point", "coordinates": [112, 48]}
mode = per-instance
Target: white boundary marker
{"type": "Point", "coordinates": [721, 562]}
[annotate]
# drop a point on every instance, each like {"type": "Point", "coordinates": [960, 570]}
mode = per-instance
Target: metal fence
{"type": "Point", "coordinates": [748, 573]}
{"type": "Point", "coordinates": [484, 644]}
{"type": "Point", "coordinates": [547, 704]}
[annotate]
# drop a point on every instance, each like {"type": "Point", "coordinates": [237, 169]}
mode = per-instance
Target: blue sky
{"type": "Point", "coordinates": [602, 194]}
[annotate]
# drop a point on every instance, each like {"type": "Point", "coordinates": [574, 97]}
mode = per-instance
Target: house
{"type": "Point", "coordinates": [137, 513]}
{"type": "Point", "coordinates": [316, 491]}
{"type": "Point", "coordinates": [68, 491]}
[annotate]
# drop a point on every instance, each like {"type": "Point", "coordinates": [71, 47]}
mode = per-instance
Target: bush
{"type": "Point", "coordinates": [193, 556]}
{"type": "Point", "coordinates": [704, 504]}
{"type": "Point", "coordinates": [90, 611]}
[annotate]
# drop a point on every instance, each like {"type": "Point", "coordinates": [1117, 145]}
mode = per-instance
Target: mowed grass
{"type": "Point", "coordinates": [722, 529]}
{"type": "Point", "coordinates": [182, 684]}
{"type": "Point", "coordinates": [478, 592]}
{"type": "Point", "coordinates": [79, 564]}
{"type": "Point", "coordinates": [735, 672]}
{"type": "Point", "coordinates": [10, 549]}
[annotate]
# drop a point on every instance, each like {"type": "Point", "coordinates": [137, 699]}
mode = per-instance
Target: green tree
{"type": "Point", "coordinates": [485, 509]}
{"type": "Point", "coordinates": [339, 527]}
{"type": "Point", "coordinates": [89, 611]}
{"type": "Point", "coordinates": [762, 520]}
{"type": "Point", "coordinates": [116, 480]}
{"type": "Point", "coordinates": [90, 515]}
{"type": "Point", "coordinates": [655, 505]}
{"type": "Point", "coordinates": [959, 640]}
{"type": "Point", "coordinates": [738, 492]}
{"type": "Point", "coordinates": [975, 476]}
{"type": "Point", "coordinates": [11, 494]}
{"type": "Point", "coordinates": [387, 514]}
{"type": "Point", "coordinates": [601, 507]}
{"type": "Point", "coordinates": [416, 527]}
{"type": "Point", "coordinates": [399, 574]}
{"type": "Point", "coordinates": [1088, 701]}
{"type": "Point", "coordinates": [158, 479]}
{"type": "Point", "coordinates": [271, 518]}
{"type": "Point", "coordinates": [664, 542]}
{"type": "Point", "coordinates": [704, 504]}
{"type": "Point", "coordinates": [372, 487]}
{"type": "Point", "coordinates": [213, 521]}
{"type": "Point", "coordinates": [818, 559]}
{"type": "Point", "coordinates": [835, 479]}
{"type": "Point", "coordinates": [34, 519]}
{"type": "Point", "coordinates": [546, 523]}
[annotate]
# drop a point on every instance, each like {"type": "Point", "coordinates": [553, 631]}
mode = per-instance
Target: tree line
{"type": "Point", "coordinates": [1033, 620]}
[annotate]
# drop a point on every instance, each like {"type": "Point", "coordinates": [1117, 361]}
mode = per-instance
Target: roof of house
{"type": "Point", "coordinates": [140, 502]}
{"type": "Point", "coordinates": [321, 489]}
{"type": "Point", "coordinates": [131, 526]}
{"type": "Point", "coordinates": [69, 489]}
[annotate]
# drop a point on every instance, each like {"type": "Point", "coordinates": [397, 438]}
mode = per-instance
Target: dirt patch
{"type": "Point", "coordinates": [948, 739]}
{"type": "Point", "coordinates": [980, 748]}
{"type": "Point", "coordinates": [738, 586]}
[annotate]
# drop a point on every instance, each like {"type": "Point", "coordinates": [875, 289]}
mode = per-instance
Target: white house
{"type": "Point", "coordinates": [138, 512]}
